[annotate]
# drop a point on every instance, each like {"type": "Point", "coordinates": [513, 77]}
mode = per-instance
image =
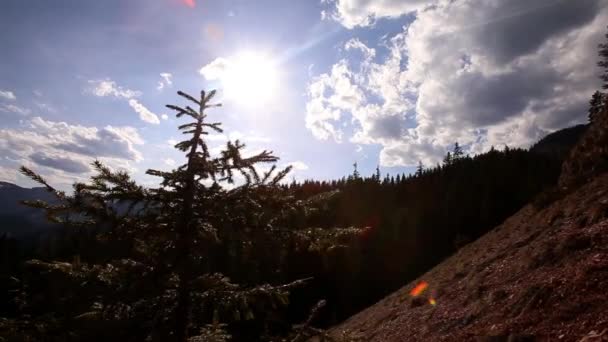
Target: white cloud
{"type": "Point", "coordinates": [11, 108]}
{"type": "Point", "coordinates": [216, 69]}
{"type": "Point", "coordinates": [7, 95]}
{"type": "Point", "coordinates": [172, 142]}
{"type": "Point", "coordinates": [164, 116]}
{"type": "Point", "coordinates": [144, 113]}
{"type": "Point", "coordinates": [299, 165]}
{"type": "Point", "coordinates": [8, 174]}
{"type": "Point", "coordinates": [64, 152]}
{"type": "Point", "coordinates": [351, 13]}
{"type": "Point", "coordinates": [165, 81]}
{"type": "Point", "coordinates": [169, 162]}
{"type": "Point", "coordinates": [322, 111]}
{"type": "Point", "coordinates": [107, 87]}
{"type": "Point", "coordinates": [480, 73]}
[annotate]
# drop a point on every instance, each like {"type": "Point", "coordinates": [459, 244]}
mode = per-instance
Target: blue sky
{"type": "Point", "coordinates": [379, 82]}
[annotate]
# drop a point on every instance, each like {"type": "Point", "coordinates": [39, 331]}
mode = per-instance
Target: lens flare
{"type": "Point", "coordinates": [416, 291]}
{"type": "Point", "coordinates": [189, 3]}
{"type": "Point", "coordinates": [432, 301]}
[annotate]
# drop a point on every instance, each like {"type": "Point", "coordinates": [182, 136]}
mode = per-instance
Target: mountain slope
{"type": "Point", "coordinates": [539, 276]}
{"type": "Point", "coordinates": [559, 143]}
{"type": "Point", "coordinates": [17, 219]}
{"type": "Point", "coordinates": [542, 273]}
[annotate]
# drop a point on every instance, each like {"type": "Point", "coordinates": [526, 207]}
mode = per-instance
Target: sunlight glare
{"type": "Point", "coordinates": [251, 80]}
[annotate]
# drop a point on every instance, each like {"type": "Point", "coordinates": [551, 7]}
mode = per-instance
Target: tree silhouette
{"type": "Point", "coordinates": [603, 63]}
{"type": "Point", "coordinates": [596, 104]}
{"type": "Point", "coordinates": [176, 289]}
{"type": "Point", "coordinates": [457, 153]}
{"type": "Point", "coordinates": [448, 159]}
{"type": "Point", "coordinates": [420, 169]}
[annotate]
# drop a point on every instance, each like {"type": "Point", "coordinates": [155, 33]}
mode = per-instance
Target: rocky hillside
{"type": "Point", "coordinates": [590, 156]}
{"type": "Point", "coordinates": [542, 275]}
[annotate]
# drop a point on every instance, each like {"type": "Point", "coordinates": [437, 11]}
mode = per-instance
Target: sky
{"type": "Point", "coordinates": [323, 84]}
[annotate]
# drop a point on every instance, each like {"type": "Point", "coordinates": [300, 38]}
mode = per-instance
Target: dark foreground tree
{"type": "Point", "coordinates": [163, 278]}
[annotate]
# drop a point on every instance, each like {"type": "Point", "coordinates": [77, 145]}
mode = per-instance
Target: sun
{"type": "Point", "coordinates": [251, 79]}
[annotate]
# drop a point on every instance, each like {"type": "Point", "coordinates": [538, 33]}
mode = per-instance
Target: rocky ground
{"type": "Point", "coordinates": [540, 276]}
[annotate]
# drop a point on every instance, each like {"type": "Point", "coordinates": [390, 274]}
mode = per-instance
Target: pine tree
{"type": "Point", "coordinates": [457, 153]}
{"type": "Point", "coordinates": [603, 63]}
{"type": "Point", "coordinates": [419, 169]}
{"type": "Point", "coordinates": [356, 174]}
{"type": "Point", "coordinates": [176, 289]}
{"type": "Point", "coordinates": [596, 105]}
{"type": "Point", "coordinates": [447, 160]}
{"type": "Point", "coordinates": [377, 175]}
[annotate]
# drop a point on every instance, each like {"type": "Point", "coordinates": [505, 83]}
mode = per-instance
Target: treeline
{"type": "Point", "coordinates": [409, 224]}
{"type": "Point", "coordinates": [412, 222]}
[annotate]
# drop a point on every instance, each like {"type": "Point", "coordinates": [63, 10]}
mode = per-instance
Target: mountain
{"type": "Point", "coordinates": [541, 275]}
{"type": "Point", "coordinates": [16, 219]}
{"type": "Point", "coordinates": [560, 142]}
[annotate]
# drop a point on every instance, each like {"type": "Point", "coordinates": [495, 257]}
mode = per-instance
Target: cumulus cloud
{"type": "Point", "coordinates": [330, 95]}
{"type": "Point", "coordinates": [216, 69]}
{"type": "Point", "coordinates": [144, 113]}
{"type": "Point", "coordinates": [478, 72]}
{"type": "Point", "coordinates": [164, 116]}
{"type": "Point", "coordinates": [351, 13]}
{"type": "Point", "coordinates": [107, 87]}
{"type": "Point", "coordinates": [165, 81]}
{"type": "Point", "coordinates": [7, 95]}
{"type": "Point", "coordinates": [60, 162]}
{"type": "Point", "coordinates": [63, 152]}
{"type": "Point", "coordinates": [112, 142]}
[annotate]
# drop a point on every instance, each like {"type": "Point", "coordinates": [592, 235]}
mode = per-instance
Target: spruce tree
{"type": "Point", "coordinates": [457, 153]}
{"type": "Point", "coordinates": [419, 169]}
{"type": "Point", "coordinates": [356, 174]}
{"type": "Point", "coordinates": [596, 105]}
{"type": "Point", "coordinates": [603, 62]}
{"type": "Point", "coordinates": [170, 284]}
{"type": "Point", "coordinates": [447, 160]}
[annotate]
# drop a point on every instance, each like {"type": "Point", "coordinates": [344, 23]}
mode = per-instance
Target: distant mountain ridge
{"type": "Point", "coordinates": [16, 219]}
{"type": "Point", "coordinates": [559, 143]}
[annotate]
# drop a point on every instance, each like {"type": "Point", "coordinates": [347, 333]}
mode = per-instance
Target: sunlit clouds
{"type": "Point", "coordinates": [483, 73]}
{"type": "Point", "coordinates": [144, 113]}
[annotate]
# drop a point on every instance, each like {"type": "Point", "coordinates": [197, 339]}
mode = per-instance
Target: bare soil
{"type": "Point", "coordinates": [542, 275]}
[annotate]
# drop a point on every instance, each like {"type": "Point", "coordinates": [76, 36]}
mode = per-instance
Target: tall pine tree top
{"type": "Point", "coordinates": [207, 217]}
